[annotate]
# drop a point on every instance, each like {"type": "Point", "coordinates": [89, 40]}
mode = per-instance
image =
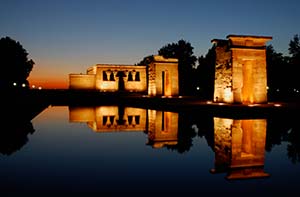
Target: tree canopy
{"type": "Point", "coordinates": [15, 64]}
{"type": "Point", "coordinates": [183, 51]}
{"type": "Point", "coordinates": [294, 50]}
{"type": "Point", "coordinates": [147, 60]}
{"type": "Point", "coordinates": [282, 72]}
{"type": "Point", "coordinates": [294, 46]}
{"type": "Point", "coordinates": [205, 72]}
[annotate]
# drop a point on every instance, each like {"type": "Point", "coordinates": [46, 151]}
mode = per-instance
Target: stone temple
{"type": "Point", "coordinates": [240, 69]}
{"type": "Point", "coordinates": [240, 73]}
{"type": "Point", "coordinates": [159, 78]}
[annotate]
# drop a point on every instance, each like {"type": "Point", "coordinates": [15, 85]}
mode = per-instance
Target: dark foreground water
{"type": "Point", "coordinates": [116, 151]}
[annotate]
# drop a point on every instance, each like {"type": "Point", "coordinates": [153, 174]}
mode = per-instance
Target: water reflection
{"type": "Point", "coordinates": [161, 127]}
{"type": "Point", "coordinates": [110, 118]}
{"type": "Point", "coordinates": [119, 150]}
{"type": "Point", "coordinates": [15, 137]}
{"type": "Point", "coordinates": [240, 147]}
{"type": "Point", "coordinates": [239, 144]}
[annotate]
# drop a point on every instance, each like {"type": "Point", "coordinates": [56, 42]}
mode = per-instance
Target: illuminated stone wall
{"type": "Point", "coordinates": [110, 118]}
{"type": "Point", "coordinates": [163, 76]}
{"type": "Point", "coordinates": [112, 77]}
{"type": "Point", "coordinates": [223, 73]}
{"type": "Point", "coordinates": [240, 72]}
{"type": "Point", "coordinates": [240, 147]}
{"type": "Point", "coordinates": [81, 81]}
{"type": "Point", "coordinates": [162, 128]}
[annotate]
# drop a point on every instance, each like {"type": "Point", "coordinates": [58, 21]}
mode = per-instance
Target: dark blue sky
{"type": "Point", "coordinates": [64, 36]}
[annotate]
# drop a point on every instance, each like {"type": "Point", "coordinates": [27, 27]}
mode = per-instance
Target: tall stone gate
{"type": "Point", "coordinates": [240, 69]}
{"type": "Point", "coordinates": [163, 76]}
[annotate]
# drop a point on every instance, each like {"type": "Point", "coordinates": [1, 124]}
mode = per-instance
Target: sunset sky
{"type": "Point", "coordinates": [64, 37]}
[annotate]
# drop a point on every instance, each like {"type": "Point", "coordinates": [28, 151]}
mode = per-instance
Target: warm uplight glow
{"type": "Point", "coordinates": [240, 70]}
{"type": "Point", "coordinates": [277, 105]}
{"type": "Point", "coordinates": [240, 147]}
{"type": "Point", "coordinates": [228, 96]}
{"type": "Point", "coordinates": [33, 86]}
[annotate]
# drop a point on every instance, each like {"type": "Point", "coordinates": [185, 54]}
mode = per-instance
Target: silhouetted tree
{"type": "Point", "coordinates": [147, 60]}
{"type": "Point", "coordinates": [277, 66]}
{"type": "Point", "coordinates": [14, 63]}
{"type": "Point", "coordinates": [14, 137]}
{"type": "Point", "coordinates": [206, 74]}
{"type": "Point", "coordinates": [293, 147]}
{"type": "Point", "coordinates": [183, 51]}
{"type": "Point", "coordinates": [294, 49]}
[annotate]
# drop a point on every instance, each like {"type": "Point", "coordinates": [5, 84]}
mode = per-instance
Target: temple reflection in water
{"type": "Point", "coordinates": [239, 144]}
{"type": "Point", "coordinates": [240, 147]}
{"type": "Point", "coordinates": [162, 127]}
{"type": "Point", "coordinates": [110, 118]}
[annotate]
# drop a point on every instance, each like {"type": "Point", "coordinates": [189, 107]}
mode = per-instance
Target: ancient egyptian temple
{"type": "Point", "coordinates": [240, 69]}
{"type": "Point", "coordinates": [240, 73]}
{"type": "Point", "coordinates": [160, 77]}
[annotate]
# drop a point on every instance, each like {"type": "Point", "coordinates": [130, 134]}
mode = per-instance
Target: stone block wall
{"type": "Point", "coordinates": [81, 81]}
{"type": "Point", "coordinates": [163, 77]}
{"type": "Point", "coordinates": [136, 83]}
{"type": "Point", "coordinates": [223, 73]}
{"type": "Point", "coordinates": [240, 69]}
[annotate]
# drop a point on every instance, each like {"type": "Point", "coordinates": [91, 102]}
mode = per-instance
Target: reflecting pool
{"type": "Point", "coordinates": [116, 150]}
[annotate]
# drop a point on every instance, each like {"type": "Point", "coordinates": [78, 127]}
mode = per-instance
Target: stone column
{"type": "Point", "coordinates": [133, 75]}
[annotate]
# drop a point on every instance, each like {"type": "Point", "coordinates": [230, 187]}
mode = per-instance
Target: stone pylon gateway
{"type": "Point", "coordinates": [240, 69]}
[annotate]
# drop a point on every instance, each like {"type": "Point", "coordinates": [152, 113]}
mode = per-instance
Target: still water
{"type": "Point", "coordinates": [115, 150]}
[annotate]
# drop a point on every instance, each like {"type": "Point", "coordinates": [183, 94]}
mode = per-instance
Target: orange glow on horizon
{"type": "Point", "coordinates": [49, 83]}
